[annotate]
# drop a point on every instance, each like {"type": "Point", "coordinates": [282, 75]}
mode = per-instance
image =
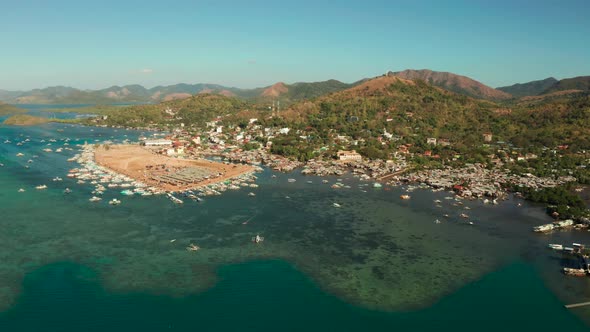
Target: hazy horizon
{"type": "Point", "coordinates": [254, 87]}
{"type": "Point", "coordinates": [98, 45]}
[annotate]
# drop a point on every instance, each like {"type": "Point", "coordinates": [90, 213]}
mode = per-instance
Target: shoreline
{"type": "Point", "coordinates": [160, 171]}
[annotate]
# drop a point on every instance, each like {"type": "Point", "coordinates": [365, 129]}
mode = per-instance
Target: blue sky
{"type": "Point", "coordinates": [257, 43]}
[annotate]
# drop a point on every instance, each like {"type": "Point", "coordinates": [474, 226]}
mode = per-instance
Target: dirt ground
{"type": "Point", "coordinates": [134, 161]}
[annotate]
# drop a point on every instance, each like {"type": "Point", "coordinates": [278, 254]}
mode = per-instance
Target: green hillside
{"type": "Point", "coordinates": [577, 83]}
{"type": "Point", "coordinates": [196, 109]}
{"type": "Point", "coordinates": [530, 88]}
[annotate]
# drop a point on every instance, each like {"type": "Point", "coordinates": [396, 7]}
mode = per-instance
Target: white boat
{"type": "Point", "coordinates": [437, 221]}
{"type": "Point", "coordinates": [336, 205]}
{"type": "Point", "coordinates": [555, 246]}
{"type": "Point", "coordinates": [251, 194]}
{"type": "Point", "coordinates": [192, 247]}
{"type": "Point", "coordinates": [19, 154]}
{"type": "Point", "coordinates": [257, 239]}
{"type": "Point", "coordinates": [291, 180]}
{"type": "Point", "coordinates": [21, 190]}
{"type": "Point", "coordinates": [174, 199]}
{"type": "Point", "coordinates": [57, 178]}
{"type": "Point", "coordinates": [114, 201]}
{"type": "Point", "coordinates": [377, 185]}
{"type": "Point", "coordinates": [41, 187]}
{"type": "Point", "coordinates": [544, 228]}
{"type": "Point", "coordinates": [95, 199]}
{"type": "Point", "coordinates": [67, 191]}
{"type": "Point", "coordinates": [405, 197]}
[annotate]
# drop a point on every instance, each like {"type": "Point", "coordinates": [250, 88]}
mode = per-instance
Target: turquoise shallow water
{"type": "Point", "coordinates": [377, 262]}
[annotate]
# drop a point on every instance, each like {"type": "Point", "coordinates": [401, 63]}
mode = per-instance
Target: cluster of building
{"type": "Point", "coordinates": [475, 180]}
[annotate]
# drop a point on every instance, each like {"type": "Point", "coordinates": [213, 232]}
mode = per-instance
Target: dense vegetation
{"type": "Point", "coordinates": [566, 204]}
{"type": "Point", "coordinates": [194, 110]}
{"type": "Point", "coordinates": [575, 83]}
{"type": "Point", "coordinates": [533, 88]}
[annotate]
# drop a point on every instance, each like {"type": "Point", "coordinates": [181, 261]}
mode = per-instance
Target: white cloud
{"type": "Point", "coordinates": [146, 71]}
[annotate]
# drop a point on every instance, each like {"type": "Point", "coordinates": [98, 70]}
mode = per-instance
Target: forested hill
{"type": "Point", "coordinates": [532, 88]}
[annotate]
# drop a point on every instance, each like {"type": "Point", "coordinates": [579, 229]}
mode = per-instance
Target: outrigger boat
{"type": "Point", "coordinates": [555, 246]}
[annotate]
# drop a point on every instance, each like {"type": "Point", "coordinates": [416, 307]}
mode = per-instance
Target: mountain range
{"type": "Point", "coordinates": [286, 93]}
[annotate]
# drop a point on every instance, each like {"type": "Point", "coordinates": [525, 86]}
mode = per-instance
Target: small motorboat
{"type": "Point", "coordinates": [95, 199]}
{"type": "Point", "coordinates": [251, 194]}
{"type": "Point", "coordinates": [257, 239]}
{"type": "Point", "coordinates": [114, 201]}
{"type": "Point", "coordinates": [437, 221]}
{"type": "Point", "coordinates": [463, 215]}
{"type": "Point", "coordinates": [67, 191]}
{"type": "Point", "coordinates": [405, 197]}
{"type": "Point", "coordinates": [41, 187]}
{"type": "Point", "coordinates": [192, 247]}
{"type": "Point", "coordinates": [21, 190]}
{"type": "Point", "coordinates": [336, 205]}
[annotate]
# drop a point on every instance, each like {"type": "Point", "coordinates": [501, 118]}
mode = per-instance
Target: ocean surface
{"type": "Point", "coordinates": [377, 263]}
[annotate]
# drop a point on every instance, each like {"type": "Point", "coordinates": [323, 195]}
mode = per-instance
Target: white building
{"type": "Point", "coordinates": [157, 142]}
{"type": "Point", "coordinates": [349, 156]}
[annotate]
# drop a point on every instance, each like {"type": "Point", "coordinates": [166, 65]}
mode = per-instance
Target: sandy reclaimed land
{"type": "Point", "coordinates": [134, 161]}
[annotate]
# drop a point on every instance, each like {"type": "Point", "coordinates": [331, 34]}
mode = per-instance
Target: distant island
{"type": "Point", "coordinates": [25, 120]}
{"type": "Point", "coordinates": [30, 120]}
{"type": "Point", "coordinates": [6, 109]}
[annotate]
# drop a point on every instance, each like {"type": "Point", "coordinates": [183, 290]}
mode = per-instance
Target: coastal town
{"type": "Point", "coordinates": [251, 144]}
